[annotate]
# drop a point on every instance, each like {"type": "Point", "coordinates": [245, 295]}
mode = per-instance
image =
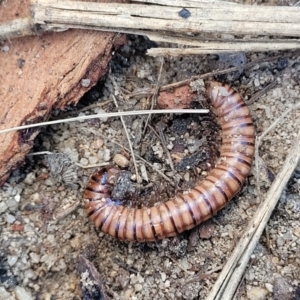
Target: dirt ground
{"type": "Point", "coordinates": [46, 237]}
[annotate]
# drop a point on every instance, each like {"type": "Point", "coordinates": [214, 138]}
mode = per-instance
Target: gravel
{"type": "Point", "coordinates": [44, 228]}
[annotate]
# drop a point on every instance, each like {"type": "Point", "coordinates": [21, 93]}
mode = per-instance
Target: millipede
{"type": "Point", "coordinates": [190, 208]}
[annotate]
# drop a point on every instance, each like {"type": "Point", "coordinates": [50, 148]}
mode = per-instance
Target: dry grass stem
{"type": "Point", "coordinates": [107, 115]}
{"type": "Point", "coordinates": [102, 164]}
{"type": "Point", "coordinates": [138, 178]}
{"type": "Point", "coordinates": [154, 95]}
{"type": "Point", "coordinates": [211, 48]}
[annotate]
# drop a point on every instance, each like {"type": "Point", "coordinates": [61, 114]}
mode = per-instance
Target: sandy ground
{"type": "Point", "coordinates": [44, 227]}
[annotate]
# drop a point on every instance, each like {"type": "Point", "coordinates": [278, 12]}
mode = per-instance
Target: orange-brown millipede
{"type": "Point", "coordinates": [192, 207]}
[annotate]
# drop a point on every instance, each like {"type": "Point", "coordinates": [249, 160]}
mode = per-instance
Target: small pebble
{"type": "Point", "coordinates": [256, 82]}
{"type": "Point", "coordinates": [30, 178]}
{"type": "Point", "coordinates": [121, 160]}
{"type": "Point", "coordinates": [10, 218]}
{"type": "Point", "coordinates": [144, 173]}
{"type": "Point", "coordinates": [106, 155]}
{"type": "Point", "coordinates": [11, 260]}
{"type": "Point", "coordinates": [186, 176]}
{"type": "Point", "coordinates": [5, 48]}
{"type": "Point", "coordinates": [4, 294]}
{"type": "Point", "coordinates": [93, 160]}
{"type": "Point", "coordinates": [85, 82]}
{"type": "Point", "coordinates": [84, 161]}
{"type": "Point", "coordinates": [35, 257]}
{"type": "Point", "coordinates": [3, 207]}
{"type": "Point", "coordinates": [163, 276]}
{"type": "Point", "coordinates": [101, 111]}
{"type": "Point", "coordinates": [98, 143]}
{"type": "Point", "coordinates": [138, 287]}
{"type": "Point", "coordinates": [257, 293]}
{"type": "Point", "coordinates": [17, 198]}
{"type": "Point", "coordinates": [50, 181]}
{"type": "Point", "coordinates": [22, 294]}
{"type": "Point", "coordinates": [12, 204]}
{"type": "Point", "coordinates": [269, 287]}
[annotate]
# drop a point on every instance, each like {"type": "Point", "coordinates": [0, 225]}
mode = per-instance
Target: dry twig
{"type": "Point", "coordinates": [108, 115]}
{"type": "Point", "coordinates": [138, 178]}
{"type": "Point", "coordinates": [154, 94]}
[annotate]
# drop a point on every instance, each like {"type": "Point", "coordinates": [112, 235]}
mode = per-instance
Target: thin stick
{"type": "Point", "coordinates": [262, 92]}
{"type": "Point", "coordinates": [259, 140]}
{"type": "Point", "coordinates": [179, 265]}
{"type": "Point", "coordinates": [275, 123]}
{"type": "Point", "coordinates": [196, 277]}
{"type": "Point", "coordinates": [164, 144]}
{"type": "Point", "coordinates": [154, 95]}
{"type": "Point", "coordinates": [138, 178]}
{"type": "Point", "coordinates": [102, 164]}
{"type": "Point", "coordinates": [108, 115]}
{"type": "Point", "coordinates": [215, 48]}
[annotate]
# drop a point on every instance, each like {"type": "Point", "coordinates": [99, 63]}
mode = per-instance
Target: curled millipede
{"type": "Point", "coordinates": [192, 207]}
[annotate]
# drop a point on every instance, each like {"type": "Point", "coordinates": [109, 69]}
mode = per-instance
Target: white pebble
{"type": "Point", "coordinates": [84, 161]}
{"type": "Point", "coordinates": [163, 276]}
{"type": "Point", "coordinates": [167, 284]}
{"type": "Point", "coordinates": [144, 173]}
{"type": "Point", "coordinates": [256, 82]}
{"type": "Point", "coordinates": [3, 207]}
{"type": "Point", "coordinates": [85, 82]}
{"type": "Point", "coordinates": [35, 197]}
{"type": "Point", "coordinates": [170, 146]}
{"type": "Point", "coordinates": [12, 204]}
{"type": "Point", "coordinates": [10, 218]}
{"type": "Point", "coordinates": [30, 178]}
{"type": "Point", "coordinates": [5, 295]}
{"type": "Point", "coordinates": [269, 287]}
{"type": "Point", "coordinates": [50, 181]}
{"type": "Point", "coordinates": [22, 294]}
{"type": "Point", "coordinates": [93, 160]}
{"type": "Point", "coordinates": [106, 155]}
{"type": "Point", "coordinates": [12, 259]}
{"type": "Point", "coordinates": [101, 111]}
{"type": "Point", "coordinates": [50, 238]}
{"type": "Point", "coordinates": [138, 287]}
{"type": "Point", "coordinates": [18, 197]}
{"type": "Point", "coordinates": [35, 257]}
{"type": "Point", "coordinates": [5, 48]}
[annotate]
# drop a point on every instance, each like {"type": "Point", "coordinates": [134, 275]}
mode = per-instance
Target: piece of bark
{"type": "Point", "coordinates": [38, 74]}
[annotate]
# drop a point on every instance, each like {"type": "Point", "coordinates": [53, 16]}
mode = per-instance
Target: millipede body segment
{"type": "Point", "coordinates": [188, 209]}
